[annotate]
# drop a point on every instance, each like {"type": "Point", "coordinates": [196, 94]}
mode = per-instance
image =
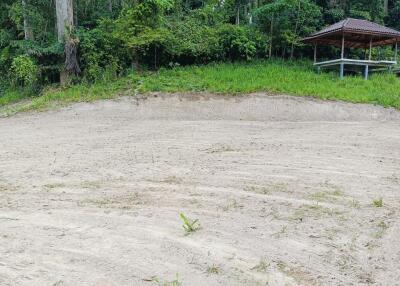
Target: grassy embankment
{"type": "Point", "coordinates": [295, 78]}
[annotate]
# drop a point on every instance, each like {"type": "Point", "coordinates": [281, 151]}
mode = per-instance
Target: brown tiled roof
{"type": "Point", "coordinates": [358, 33]}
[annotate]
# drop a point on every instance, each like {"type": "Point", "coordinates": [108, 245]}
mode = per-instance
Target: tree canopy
{"type": "Point", "coordinates": [105, 38]}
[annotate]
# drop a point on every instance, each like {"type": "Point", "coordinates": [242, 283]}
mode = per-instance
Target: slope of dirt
{"type": "Point", "coordinates": [283, 188]}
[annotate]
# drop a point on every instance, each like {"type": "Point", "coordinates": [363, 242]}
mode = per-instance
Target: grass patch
{"type": "Point", "coordinates": [81, 93]}
{"type": "Point", "coordinates": [317, 212]}
{"type": "Point", "coordinates": [63, 96]}
{"type": "Point", "coordinates": [275, 76]}
{"type": "Point", "coordinates": [13, 96]}
{"type": "Point", "coordinates": [268, 189]}
{"type": "Point", "coordinates": [327, 196]}
{"type": "Point", "coordinates": [289, 77]}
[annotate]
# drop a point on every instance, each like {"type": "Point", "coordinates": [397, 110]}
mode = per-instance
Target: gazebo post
{"type": "Point", "coordinates": [315, 58]}
{"type": "Point", "coordinates": [395, 53]}
{"type": "Point", "coordinates": [370, 49]}
{"type": "Point", "coordinates": [366, 72]}
{"type": "Point", "coordinates": [342, 57]}
{"type": "Point", "coordinates": [315, 53]}
{"type": "Point", "coordinates": [369, 58]}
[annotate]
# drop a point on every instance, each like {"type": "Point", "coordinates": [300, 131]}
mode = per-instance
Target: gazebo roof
{"type": "Point", "coordinates": [357, 33]}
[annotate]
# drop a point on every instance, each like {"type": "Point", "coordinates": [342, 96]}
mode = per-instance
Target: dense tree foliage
{"type": "Point", "coordinates": [96, 39]}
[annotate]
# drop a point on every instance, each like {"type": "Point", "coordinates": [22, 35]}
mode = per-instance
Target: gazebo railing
{"type": "Point", "coordinates": [381, 65]}
{"type": "Point", "coordinates": [367, 63]}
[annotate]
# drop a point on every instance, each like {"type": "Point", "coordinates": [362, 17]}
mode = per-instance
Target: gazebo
{"type": "Point", "coordinates": [355, 33]}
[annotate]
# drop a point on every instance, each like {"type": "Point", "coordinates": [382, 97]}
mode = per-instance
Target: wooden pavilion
{"type": "Point", "coordinates": [355, 33]}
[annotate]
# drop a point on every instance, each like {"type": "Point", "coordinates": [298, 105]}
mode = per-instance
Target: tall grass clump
{"type": "Point", "coordinates": [13, 96]}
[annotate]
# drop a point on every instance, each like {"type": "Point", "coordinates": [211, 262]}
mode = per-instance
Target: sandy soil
{"type": "Point", "coordinates": [283, 188]}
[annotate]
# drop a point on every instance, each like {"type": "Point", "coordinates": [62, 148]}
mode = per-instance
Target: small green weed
{"type": "Point", "coordinates": [213, 269]}
{"type": "Point", "coordinates": [188, 225]}
{"type": "Point", "coordinates": [381, 228]}
{"type": "Point", "coordinates": [262, 266]}
{"type": "Point", "coordinates": [378, 203]}
{"type": "Point", "coordinates": [174, 282]}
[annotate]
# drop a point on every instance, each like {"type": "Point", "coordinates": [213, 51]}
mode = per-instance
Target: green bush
{"type": "Point", "coordinates": [191, 42]}
{"type": "Point", "coordinates": [102, 55]}
{"type": "Point", "coordinates": [237, 42]}
{"type": "Point", "coordinates": [200, 38]}
{"type": "Point", "coordinates": [25, 71]}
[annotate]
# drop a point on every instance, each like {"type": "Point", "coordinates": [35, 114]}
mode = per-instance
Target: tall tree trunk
{"type": "Point", "coordinates": [28, 32]}
{"type": "Point", "coordinates": [65, 18]}
{"type": "Point", "coordinates": [271, 33]}
{"type": "Point", "coordinates": [155, 57]}
{"type": "Point", "coordinates": [75, 12]}
{"type": "Point", "coordinates": [386, 7]}
{"type": "Point", "coordinates": [110, 6]}
{"type": "Point", "coordinates": [65, 26]}
{"type": "Point", "coordinates": [245, 10]}
{"type": "Point", "coordinates": [295, 30]}
{"type": "Point", "coordinates": [238, 13]}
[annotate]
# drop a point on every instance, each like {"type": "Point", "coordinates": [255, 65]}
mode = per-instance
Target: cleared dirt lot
{"type": "Point", "coordinates": [283, 188]}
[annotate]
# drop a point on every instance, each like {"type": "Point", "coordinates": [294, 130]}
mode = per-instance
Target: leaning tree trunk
{"type": "Point", "coordinates": [65, 26]}
{"type": "Point", "coordinates": [28, 32]}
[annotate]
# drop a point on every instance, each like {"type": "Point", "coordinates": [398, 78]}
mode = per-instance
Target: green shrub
{"type": "Point", "coordinates": [191, 42]}
{"type": "Point", "coordinates": [24, 70]}
{"type": "Point", "coordinates": [236, 42]}
{"type": "Point", "coordinates": [202, 39]}
{"type": "Point", "coordinates": [102, 55]}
